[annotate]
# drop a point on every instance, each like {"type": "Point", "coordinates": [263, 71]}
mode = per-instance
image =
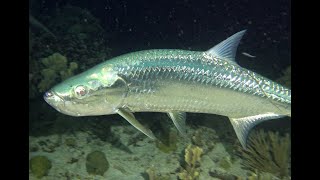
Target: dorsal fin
{"type": "Point", "coordinates": [227, 49]}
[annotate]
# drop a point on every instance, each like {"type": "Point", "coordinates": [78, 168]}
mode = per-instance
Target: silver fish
{"type": "Point", "coordinates": [175, 82]}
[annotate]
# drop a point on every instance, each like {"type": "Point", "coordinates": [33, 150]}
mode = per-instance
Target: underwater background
{"type": "Point", "coordinates": [69, 37]}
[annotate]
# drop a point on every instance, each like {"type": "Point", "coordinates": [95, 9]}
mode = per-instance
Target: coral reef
{"type": "Point", "coordinates": [204, 138]}
{"type": "Point", "coordinates": [264, 176]}
{"type": "Point", "coordinates": [56, 69]}
{"type": "Point", "coordinates": [97, 163]}
{"type": "Point", "coordinates": [153, 175]}
{"type": "Point", "coordinates": [168, 142]}
{"type": "Point", "coordinates": [167, 134]}
{"type": "Point", "coordinates": [286, 78]}
{"type": "Point", "coordinates": [197, 138]}
{"type": "Point", "coordinates": [225, 162]}
{"type": "Point", "coordinates": [192, 158]}
{"type": "Point", "coordinates": [220, 174]}
{"type": "Point", "coordinates": [50, 145]}
{"type": "Point", "coordinates": [40, 166]}
{"type": "Point", "coordinates": [78, 36]}
{"type": "Point", "coordinates": [268, 153]}
{"type": "Point", "coordinates": [71, 142]}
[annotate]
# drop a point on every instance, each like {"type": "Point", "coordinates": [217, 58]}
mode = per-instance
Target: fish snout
{"type": "Point", "coordinates": [51, 98]}
{"type": "Point", "coordinates": [48, 94]}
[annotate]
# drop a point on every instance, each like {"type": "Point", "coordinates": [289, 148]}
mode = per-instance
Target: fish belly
{"type": "Point", "coordinates": [189, 96]}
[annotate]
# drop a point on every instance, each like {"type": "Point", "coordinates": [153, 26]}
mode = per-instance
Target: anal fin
{"type": "Point", "coordinates": [127, 115]}
{"type": "Point", "coordinates": [179, 120]}
{"type": "Point", "coordinates": [242, 126]}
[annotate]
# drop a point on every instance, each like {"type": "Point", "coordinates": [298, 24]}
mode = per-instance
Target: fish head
{"type": "Point", "coordinates": [94, 92]}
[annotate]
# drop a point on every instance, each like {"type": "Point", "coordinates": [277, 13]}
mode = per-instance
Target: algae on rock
{"type": "Point", "coordinates": [97, 163]}
{"type": "Point", "coordinates": [40, 166]}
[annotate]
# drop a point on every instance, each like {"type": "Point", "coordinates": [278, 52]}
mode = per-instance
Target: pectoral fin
{"type": "Point", "coordinates": [179, 120]}
{"type": "Point", "coordinates": [134, 122]}
{"type": "Point", "coordinates": [242, 126]}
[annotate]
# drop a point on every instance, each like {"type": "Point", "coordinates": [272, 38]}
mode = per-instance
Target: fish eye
{"type": "Point", "coordinates": [81, 91]}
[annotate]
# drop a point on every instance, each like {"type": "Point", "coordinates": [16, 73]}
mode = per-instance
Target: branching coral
{"type": "Point", "coordinates": [56, 69]}
{"type": "Point", "coordinates": [268, 152]}
{"type": "Point", "coordinates": [192, 158]}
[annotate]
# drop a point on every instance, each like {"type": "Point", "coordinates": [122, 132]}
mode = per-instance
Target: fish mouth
{"type": "Point", "coordinates": [59, 103]}
{"type": "Point", "coordinates": [54, 100]}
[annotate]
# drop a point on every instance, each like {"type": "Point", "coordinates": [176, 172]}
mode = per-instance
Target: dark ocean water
{"type": "Point", "coordinates": [187, 24]}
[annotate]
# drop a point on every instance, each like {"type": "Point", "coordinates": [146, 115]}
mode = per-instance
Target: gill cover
{"type": "Point", "coordinates": [116, 89]}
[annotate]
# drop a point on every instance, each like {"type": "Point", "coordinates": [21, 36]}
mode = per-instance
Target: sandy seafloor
{"type": "Point", "coordinates": [69, 162]}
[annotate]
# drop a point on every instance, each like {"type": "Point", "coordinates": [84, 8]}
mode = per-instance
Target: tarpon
{"type": "Point", "coordinates": [175, 82]}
